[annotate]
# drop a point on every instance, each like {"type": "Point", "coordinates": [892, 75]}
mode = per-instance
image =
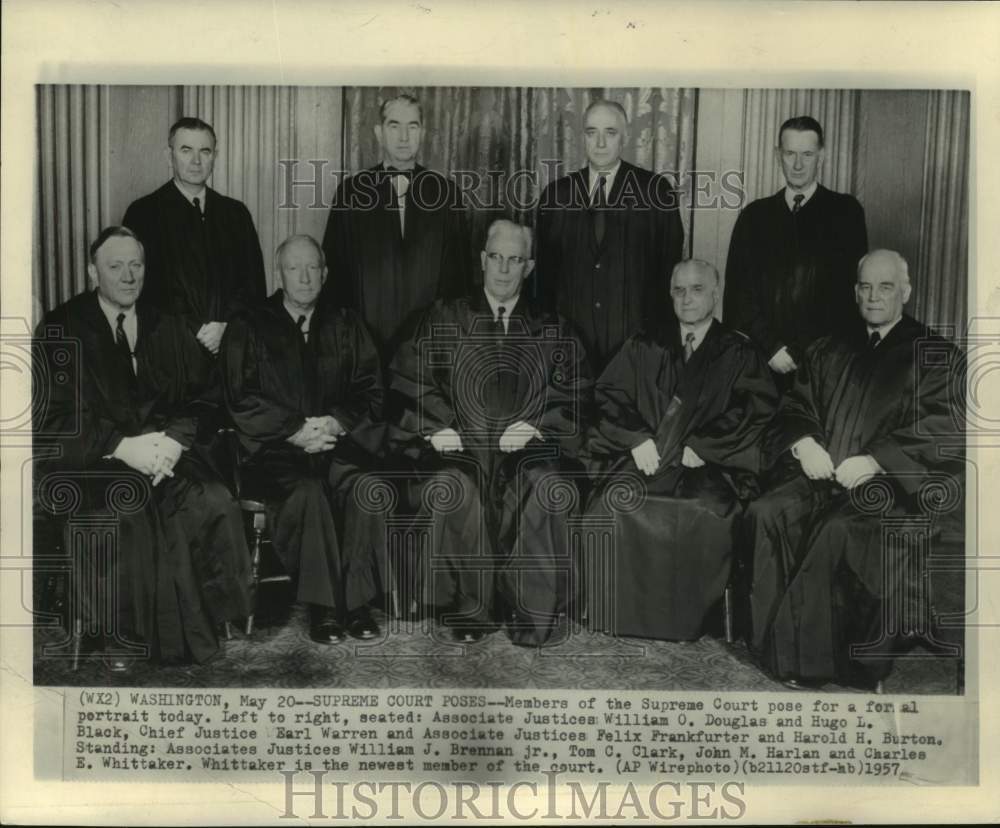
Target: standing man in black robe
{"type": "Point", "coordinates": [491, 392]}
{"type": "Point", "coordinates": [861, 408]}
{"type": "Point", "coordinates": [793, 256]}
{"type": "Point", "coordinates": [127, 438]}
{"type": "Point", "coordinates": [304, 388]}
{"type": "Point", "coordinates": [606, 235]}
{"type": "Point", "coordinates": [203, 254]}
{"type": "Point", "coordinates": [397, 237]}
{"type": "Point", "coordinates": [685, 404]}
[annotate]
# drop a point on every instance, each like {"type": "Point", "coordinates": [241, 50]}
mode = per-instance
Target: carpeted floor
{"type": "Point", "coordinates": [420, 654]}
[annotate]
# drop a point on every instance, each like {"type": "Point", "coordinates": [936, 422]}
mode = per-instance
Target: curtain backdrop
{"type": "Point", "coordinates": [98, 148]}
{"type": "Point", "coordinates": [70, 200]}
{"type": "Point", "coordinates": [941, 276]}
{"type": "Point", "coordinates": [519, 139]}
{"type": "Point", "coordinates": [764, 112]}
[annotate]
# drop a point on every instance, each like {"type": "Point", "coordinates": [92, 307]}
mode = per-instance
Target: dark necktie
{"type": "Point", "coordinates": [498, 324]}
{"type": "Point", "coordinates": [688, 346]}
{"type": "Point", "coordinates": [874, 340]}
{"type": "Point", "coordinates": [121, 341]}
{"type": "Point", "coordinates": [797, 203]}
{"type": "Point", "coordinates": [599, 204]}
{"type": "Point", "coordinates": [197, 206]}
{"type": "Point", "coordinates": [301, 322]}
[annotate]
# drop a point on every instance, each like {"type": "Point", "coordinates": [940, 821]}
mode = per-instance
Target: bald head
{"type": "Point", "coordinates": [694, 289]}
{"type": "Point", "coordinates": [883, 287]}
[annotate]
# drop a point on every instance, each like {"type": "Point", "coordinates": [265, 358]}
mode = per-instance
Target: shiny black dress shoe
{"type": "Point", "coordinates": [470, 635]}
{"type": "Point", "coordinates": [116, 664]}
{"type": "Point", "coordinates": [360, 624]}
{"type": "Point", "coordinates": [324, 628]}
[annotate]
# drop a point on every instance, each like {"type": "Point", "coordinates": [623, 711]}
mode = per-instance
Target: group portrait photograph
{"type": "Point", "coordinates": [577, 387]}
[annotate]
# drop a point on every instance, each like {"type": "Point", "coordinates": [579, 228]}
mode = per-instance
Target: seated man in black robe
{"type": "Point", "coordinates": [859, 409]}
{"type": "Point", "coordinates": [685, 404]}
{"type": "Point", "coordinates": [304, 388]}
{"type": "Point", "coordinates": [126, 440]}
{"type": "Point", "coordinates": [490, 391]}
{"type": "Point", "coordinates": [202, 251]}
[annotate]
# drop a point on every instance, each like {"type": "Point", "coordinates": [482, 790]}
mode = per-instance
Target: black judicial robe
{"type": "Point", "coordinates": [673, 531]}
{"type": "Point", "coordinates": [377, 270]}
{"type": "Point", "coordinates": [817, 580]}
{"type": "Point", "coordinates": [608, 289]}
{"type": "Point", "coordinates": [273, 380]}
{"type": "Point", "coordinates": [205, 269]}
{"type": "Point", "coordinates": [790, 278]}
{"type": "Point", "coordinates": [500, 520]}
{"type": "Point", "coordinates": [182, 564]}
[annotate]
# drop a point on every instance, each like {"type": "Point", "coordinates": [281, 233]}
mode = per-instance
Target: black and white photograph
{"type": "Point", "coordinates": [539, 429]}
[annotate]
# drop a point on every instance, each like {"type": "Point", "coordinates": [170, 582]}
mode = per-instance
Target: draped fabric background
{"type": "Point", "coordinates": [944, 222]}
{"type": "Point", "coordinates": [281, 149]}
{"type": "Point", "coordinates": [513, 141]}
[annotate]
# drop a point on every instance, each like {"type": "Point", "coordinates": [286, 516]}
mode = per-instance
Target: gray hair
{"type": "Point", "coordinates": [902, 268]}
{"type": "Point", "coordinates": [700, 264]}
{"type": "Point", "coordinates": [300, 237]}
{"type": "Point", "coordinates": [506, 224]}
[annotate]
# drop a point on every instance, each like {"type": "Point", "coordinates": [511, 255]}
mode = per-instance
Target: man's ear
{"type": "Point", "coordinates": [906, 293]}
{"type": "Point", "coordinates": [482, 260]}
{"type": "Point", "coordinates": [92, 275]}
{"type": "Point", "coordinates": [377, 129]}
{"type": "Point", "coordinates": [322, 279]}
{"type": "Point", "coordinates": [529, 267]}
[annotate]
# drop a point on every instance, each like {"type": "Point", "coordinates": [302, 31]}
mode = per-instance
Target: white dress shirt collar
{"type": "Point", "coordinates": [808, 192]}
{"type": "Point", "coordinates": [593, 175]}
{"type": "Point", "coordinates": [295, 313]}
{"type": "Point", "coordinates": [200, 195]}
{"type": "Point", "coordinates": [883, 331]}
{"type": "Point", "coordinates": [699, 330]}
{"type": "Point", "coordinates": [508, 307]}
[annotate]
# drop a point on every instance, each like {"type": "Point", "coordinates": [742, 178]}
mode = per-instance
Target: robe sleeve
{"type": "Point", "coordinates": [65, 411]}
{"type": "Point", "coordinates": [742, 303]}
{"type": "Point", "coordinates": [338, 249]}
{"type": "Point", "coordinates": [258, 418]}
{"type": "Point", "coordinates": [547, 270]}
{"type": "Point", "coordinates": [620, 427]}
{"type": "Point", "coordinates": [456, 257]}
{"type": "Point", "coordinates": [251, 285]}
{"type": "Point", "coordinates": [420, 405]}
{"type": "Point", "coordinates": [668, 248]}
{"type": "Point", "coordinates": [198, 396]}
{"type": "Point", "coordinates": [568, 396]}
{"type": "Point", "coordinates": [935, 412]}
{"type": "Point", "coordinates": [362, 405]}
{"type": "Point", "coordinates": [732, 439]}
{"type": "Point", "coordinates": [798, 413]}
{"type": "Point", "coordinates": [853, 245]}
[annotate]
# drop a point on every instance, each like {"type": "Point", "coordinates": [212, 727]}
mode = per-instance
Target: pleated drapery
{"type": "Point", "coordinates": [764, 112]}
{"type": "Point", "coordinates": [940, 281]}
{"type": "Point", "coordinates": [255, 126]}
{"type": "Point", "coordinates": [71, 196]}
{"type": "Point", "coordinates": [505, 144]}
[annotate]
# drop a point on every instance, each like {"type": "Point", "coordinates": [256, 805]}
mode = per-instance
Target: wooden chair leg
{"type": "Point", "coordinates": [258, 533]}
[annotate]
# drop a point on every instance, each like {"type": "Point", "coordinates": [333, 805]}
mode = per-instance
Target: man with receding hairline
{"type": "Point", "coordinates": [303, 385]}
{"type": "Point", "coordinates": [863, 406]}
{"type": "Point", "coordinates": [683, 404]}
{"type": "Point", "coordinates": [490, 392]}
{"type": "Point", "coordinates": [397, 236]}
{"type": "Point", "coordinates": [606, 235]}
{"type": "Point", "coordinates": [792, 256]}
{"type": "Point", "coordinates": [203, 256]}
{"type": "Point", "coordinates": [134, 424]}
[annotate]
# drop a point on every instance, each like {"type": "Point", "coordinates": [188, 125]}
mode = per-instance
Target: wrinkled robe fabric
{"type": "Point", "coordinates": [673, 531]}
{"type": "Point", "coordinates": [500, 541]}
{"type": "Point", "coordinates": [320, 527]}
{"type": "Point", "coordinates": [182, 559]}
{"type": "Point", "coordinates": [818, 555]}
